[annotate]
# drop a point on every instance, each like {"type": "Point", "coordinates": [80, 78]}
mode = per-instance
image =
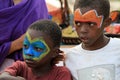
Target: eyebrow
{"type": "Point", "coordinates": [85, 22]}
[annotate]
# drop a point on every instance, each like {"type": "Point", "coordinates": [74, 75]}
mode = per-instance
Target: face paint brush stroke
{"type": "Point", "coordinates": [90, 16]}
{"type": "Point", "coordinates": [35, 49]}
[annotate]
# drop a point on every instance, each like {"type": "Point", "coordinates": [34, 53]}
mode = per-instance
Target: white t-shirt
{"type": "Point", "coordinates": [101, 64]}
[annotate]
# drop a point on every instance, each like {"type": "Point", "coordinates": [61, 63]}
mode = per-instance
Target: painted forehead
{"type": "Point", "coordinates": [37, 42]}
{"type": "Point", "coordinates": [40, 39]}
{"type": "Point", "coordinates": [90, 16]}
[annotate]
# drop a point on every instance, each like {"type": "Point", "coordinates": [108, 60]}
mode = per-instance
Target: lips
{"type": "Point", "coordinates": [30, 62]}
{"type": "Point", "coordinates": [84, 39]}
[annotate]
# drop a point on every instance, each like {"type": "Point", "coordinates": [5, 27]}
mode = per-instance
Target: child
{"type": "Point", "coordinates": [41, 46]}
{"type": "Point", "coordinates": [97, 57]}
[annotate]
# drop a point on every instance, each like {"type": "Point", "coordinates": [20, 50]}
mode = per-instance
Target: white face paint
{"type": "Point", "coordinates": [90, 16]}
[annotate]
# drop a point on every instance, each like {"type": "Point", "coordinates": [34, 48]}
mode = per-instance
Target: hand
{"type": "Point", "coordinates": [7, 76]}
{"type": "Point", "coordinates": [59, 57]}
{"type": "Point", "coordinates": [20, 78]}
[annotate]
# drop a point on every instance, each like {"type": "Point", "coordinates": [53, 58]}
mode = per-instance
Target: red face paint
{"type": "Point", "coordinates": [90, 16]}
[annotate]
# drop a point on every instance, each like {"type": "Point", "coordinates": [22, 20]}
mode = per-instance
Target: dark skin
{"type": "Point", "coordinates": [16, 44]}
{"type": "Point", "coordinates": [91, 36]}
{"type": "Point", "coordinates": [44, 65]}
{"type": "Point", "coordinates": [17, 1]}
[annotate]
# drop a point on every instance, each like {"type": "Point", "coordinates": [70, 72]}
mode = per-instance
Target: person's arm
{"type": "Point", "coordinates": [16, 44]}
{"type": "Point", "coordinates": [17, 1]}
{"type": "Point", "coordinates": [7, 48]}
{"type": "Point", "coordinates": [7, 76]}
{"type": "Point", "coordinates": [14, 72]}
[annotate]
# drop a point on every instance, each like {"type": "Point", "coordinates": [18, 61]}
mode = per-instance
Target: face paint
{"type": "Point", "coordinates": [90, 16]}
{"type": "Point", "coordinates": [35, 49]}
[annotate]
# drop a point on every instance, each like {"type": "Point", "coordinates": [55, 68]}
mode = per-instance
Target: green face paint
{"type": "Point", "coordinates": [35, 49]}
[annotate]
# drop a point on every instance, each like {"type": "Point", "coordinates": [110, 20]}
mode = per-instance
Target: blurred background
{"type": "Point", "coordinates": [115, 4]}
{"type": "Point", "coordinates": [61, 11]}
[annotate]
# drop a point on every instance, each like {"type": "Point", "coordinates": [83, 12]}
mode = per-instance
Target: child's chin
{"type": "Point", "coordinates": [30, 63]}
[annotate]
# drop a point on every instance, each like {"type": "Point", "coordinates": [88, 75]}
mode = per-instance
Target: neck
{"type": "Point", "coordinates": [101, 42]}
{"type": "Point", "coordinates": [42, 69]}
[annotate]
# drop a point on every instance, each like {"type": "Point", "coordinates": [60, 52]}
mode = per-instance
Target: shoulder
{"type": "Point", "coordinates": [115, 41]}
{"type": "Point", "coordinates": [61, 69]}
{"type": "Point", "coordinates": [61, 73]}
{"type": "Point", "coordinates": [74, 49]}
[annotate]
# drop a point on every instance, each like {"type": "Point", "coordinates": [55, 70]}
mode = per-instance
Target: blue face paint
{"type": "Point", "coordinates": [34, 49]}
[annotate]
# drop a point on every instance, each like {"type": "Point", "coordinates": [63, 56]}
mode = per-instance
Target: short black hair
{"type": "Point", "coordinates": [50, 28]}
{"type": "Point", "coordinates": [103, 6]}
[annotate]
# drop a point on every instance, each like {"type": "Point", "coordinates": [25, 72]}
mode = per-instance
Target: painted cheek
{"type": "Point", "coordinates": [31, 52]}
{"type": "Point", "coordinates": [28, 53]}
{"type": "Point", "coordinates": [42, 49]}
{"type": "Point", "coordinates": [37, 48]}
{"type": "Point", "coordinates": [37, 54]}
{"type": "Point", "coordinates": [40, 55]}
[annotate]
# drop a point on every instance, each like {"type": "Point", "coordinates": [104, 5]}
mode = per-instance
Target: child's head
{"type": "Point", "coordinates": [101, 6]}
{"type": "Point", "coordinates": [41, 43]}
{"type": "Point", "coordinates": [91, 17]}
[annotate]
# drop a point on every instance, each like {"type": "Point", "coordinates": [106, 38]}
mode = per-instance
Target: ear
{"type": "Point", "coordinates": [107, 22]}
{"type": "Point", "coordinates": [56, 50]}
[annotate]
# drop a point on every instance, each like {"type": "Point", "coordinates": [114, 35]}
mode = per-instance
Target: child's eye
{"type": "Point", "coordinates": [92, 24]}
{"type": "Point", "coordinates": [25, 46]}
{"type": "Point", "coordinates": [39, 49]}
{"type": "Point", "coordinates": [78, 24]}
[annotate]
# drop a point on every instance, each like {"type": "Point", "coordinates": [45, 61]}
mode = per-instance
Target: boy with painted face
{"type": "Point", "coordinates": [41, 46]}
{"type": "Point", "coordinates": [97, 57]}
